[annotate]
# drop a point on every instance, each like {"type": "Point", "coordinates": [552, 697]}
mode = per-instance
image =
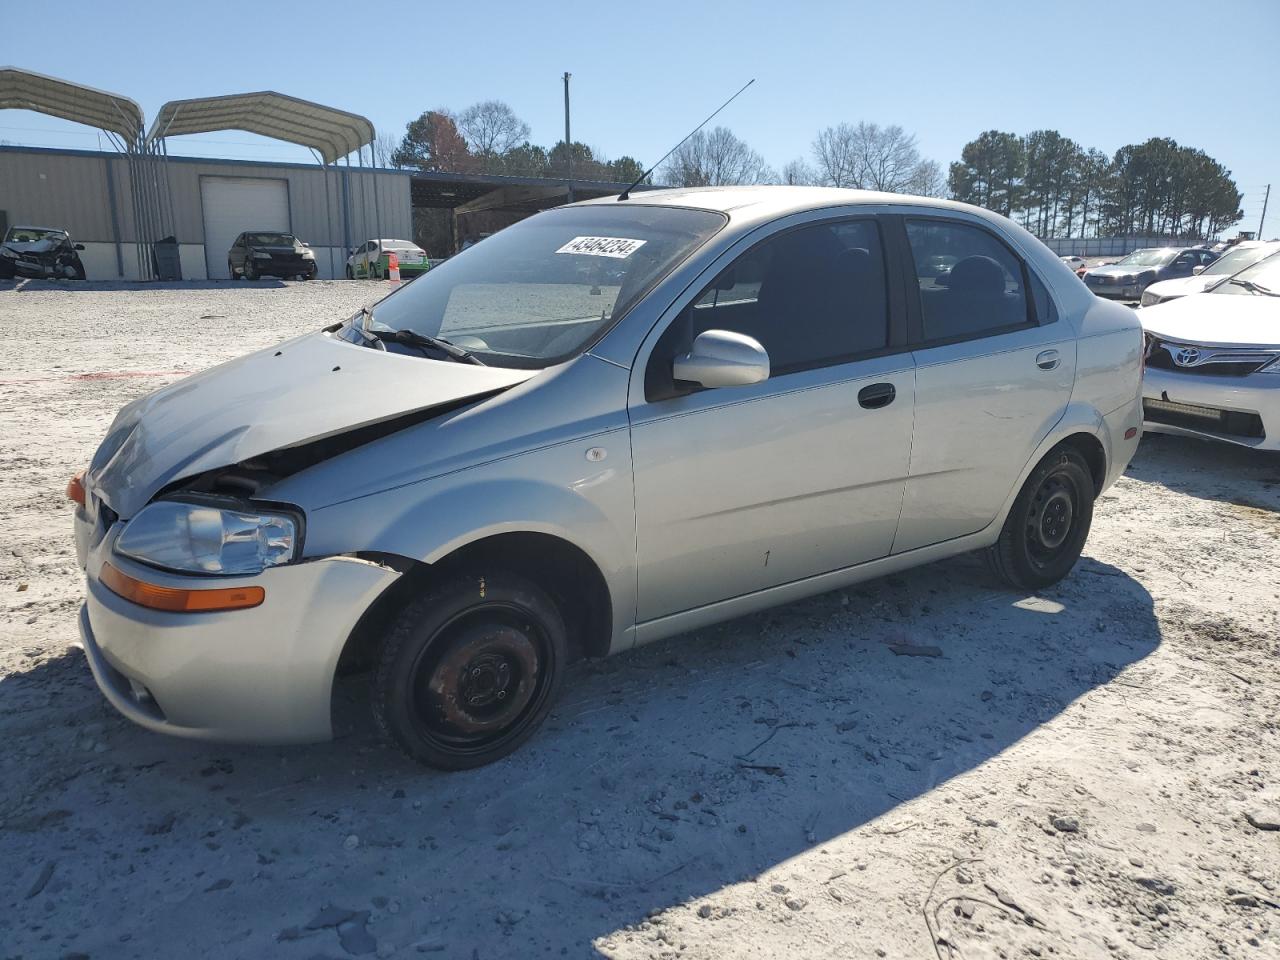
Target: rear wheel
{"type": "Point", "coordinates": [1049, 523]}
{"type": "Point", "coordinates": [469, 671]}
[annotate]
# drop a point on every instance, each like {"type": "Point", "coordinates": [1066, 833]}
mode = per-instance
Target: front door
{"type": "Point", "coordinates": [994, 372]}
{"type": "Point", "coordinates": [743, 488]}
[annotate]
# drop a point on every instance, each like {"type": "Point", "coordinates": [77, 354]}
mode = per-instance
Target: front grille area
{"type": "Point", "coordinates": [1211, 361]}
{"type": "Point", "coordinates": [1192, 416]}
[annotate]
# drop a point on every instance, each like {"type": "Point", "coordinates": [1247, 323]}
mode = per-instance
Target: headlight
{"type": "Point", "coordinates": [259, 255]}
{"type": "Point", "coordinates": [1149, 299]}
{"type": "Point", "coordinates": [6, 252]}
{"type": "Point", "coordinates": [209, 538]}
{"type": "Point", "coordinates": [308, 254]}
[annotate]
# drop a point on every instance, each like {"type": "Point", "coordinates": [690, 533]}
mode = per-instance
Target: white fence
{"type": "Point", "coordinates": [1109, 246]}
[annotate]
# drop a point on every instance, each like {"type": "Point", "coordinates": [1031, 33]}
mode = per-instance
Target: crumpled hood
{"type": "Point", "coordinates": [302, 390]}
{"type": "Point", "coordinates": [1216, 320]}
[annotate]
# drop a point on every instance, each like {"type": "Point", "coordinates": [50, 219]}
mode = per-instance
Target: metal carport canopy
{"type": "Point", "coordinates": [25, 90]}
{"type": "Point", "coordinates": [331, 133]}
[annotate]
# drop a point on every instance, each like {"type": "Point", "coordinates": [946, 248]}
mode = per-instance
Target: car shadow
{"type": "Point", "coordinates": [663, 775]}
{"type": "Point", "coordinates": [1208, 470]}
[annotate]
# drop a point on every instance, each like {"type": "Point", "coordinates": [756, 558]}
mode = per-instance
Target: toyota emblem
{"type": "Point", "coordinates": [1187, 357]}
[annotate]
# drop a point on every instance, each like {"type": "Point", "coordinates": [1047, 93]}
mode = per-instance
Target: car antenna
{"type": "Point", "coordinates": [626, 194]}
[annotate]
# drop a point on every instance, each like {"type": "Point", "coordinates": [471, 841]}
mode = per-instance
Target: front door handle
{"type": "Point", "coordinates": [877, 395]}
{"type": "Point", "coordinates": [1048, 359]}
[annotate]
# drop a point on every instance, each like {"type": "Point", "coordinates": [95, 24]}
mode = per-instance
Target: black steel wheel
{"type": "Point", "coordinates": [1047, 527]}
{"type": "Point", "coordinates": [470, 670]}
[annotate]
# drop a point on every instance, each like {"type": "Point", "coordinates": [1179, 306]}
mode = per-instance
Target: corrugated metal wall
{"type": "Point", "coordinates": [69, 189]}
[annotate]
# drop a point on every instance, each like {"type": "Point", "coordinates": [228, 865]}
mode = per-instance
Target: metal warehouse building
{"type": "Point", "coordinates": [89, 194]}
{"type": "Point", "coordinates": [119, 204]}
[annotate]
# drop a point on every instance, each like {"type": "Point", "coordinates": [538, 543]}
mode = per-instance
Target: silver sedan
{"type": "Point", "coordinates": [610, 423]}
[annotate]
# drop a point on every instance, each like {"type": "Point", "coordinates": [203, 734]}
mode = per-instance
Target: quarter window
{"type": "Point", "coordinates": [812, 297]}
{"type": "Point", "coordinates": [971, 284]}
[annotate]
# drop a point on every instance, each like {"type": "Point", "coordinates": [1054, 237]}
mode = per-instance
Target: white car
{"type": "Point", "coordinates": [365, 262]}
{"type": "Point", "coordinates": [1075, 263]}
{"type": "Point", "coordinates": [1213, 361]}
{"type": "Point", "coordinates": [1242, 255]}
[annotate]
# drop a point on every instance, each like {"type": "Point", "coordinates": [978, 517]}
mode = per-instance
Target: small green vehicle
{"type": "Point", "coordinates": [371, 260]}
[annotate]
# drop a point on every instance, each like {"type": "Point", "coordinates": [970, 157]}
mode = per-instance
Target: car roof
{"type": "Point", "coordinates": [775, 199]}
{"type": "Point", "coordinates": [29, 226]}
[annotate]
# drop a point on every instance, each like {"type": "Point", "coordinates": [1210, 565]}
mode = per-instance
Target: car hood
{"type": "Point", "coordinates": [1182, 286]}
{"type": "Point", "coordinates": [303, 390]}
{"type": "Point", "coordinates": [1216, 320]}
{"type": "Point", "coordinates": [274, 248]}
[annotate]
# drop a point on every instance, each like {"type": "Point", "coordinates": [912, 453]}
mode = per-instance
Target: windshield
{"type": "Point", "coordinates": [1236, 260]}
{"type": "Point", "coordinates": [538, 292]}
{"type": "Point", "coordinates": [270, 240]}
{"type": "Point", "coordinates": [1261, 278]}
{"type": "Point", "coordinates": [1147, 258]}
{"type": "Point", "coordinates": [33, 235]}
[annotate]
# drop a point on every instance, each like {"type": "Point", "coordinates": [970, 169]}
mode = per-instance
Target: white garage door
{"type": "Point", "coordinates": [233, 205]}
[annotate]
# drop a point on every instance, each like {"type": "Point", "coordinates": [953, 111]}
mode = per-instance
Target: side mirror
{"type": "Point", "coordinates": [1196, 271]}
{"type": "Point", "coordinates": [79, 246]}
{"type": "Point", "coordinates": [720, 358]}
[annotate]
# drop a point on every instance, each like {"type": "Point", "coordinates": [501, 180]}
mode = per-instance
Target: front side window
{"type": "Point", "coordinates": [538, 292]}
{"type": "Point", "coordinates": [812, 297]}
{"type": "Point", "coordinates": [970, 283]}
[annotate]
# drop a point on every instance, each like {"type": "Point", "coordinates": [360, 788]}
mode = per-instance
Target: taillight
{"type": "Point", "coordinates": [75, 489]}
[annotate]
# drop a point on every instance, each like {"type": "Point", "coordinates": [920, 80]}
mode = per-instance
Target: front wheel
{"type": "Point", "coordinates": [1045, 531]}
{"type": "Point", "coordinates": [469, 670]}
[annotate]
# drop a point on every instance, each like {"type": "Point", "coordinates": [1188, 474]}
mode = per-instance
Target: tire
{"type": "Point", "coordinates": [1047, 527]}
{"type": "Point", "coordinates": [250, 272]}
{"type": "Point", "coordinates": [470, 670]}
{"type": "Point", "coordinates": [231, 271]}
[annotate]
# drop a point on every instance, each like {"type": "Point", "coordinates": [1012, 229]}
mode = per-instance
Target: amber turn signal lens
{"type": "Point", "coordinates": [176, 600]}
{"type": "Point", "coordinates": [75, 488]}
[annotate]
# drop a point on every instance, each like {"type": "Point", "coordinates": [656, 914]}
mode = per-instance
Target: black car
{"type": "Point", "coordinates": [265, 253]}
{"type": "Point", "coordinates": [41, 253]}
{"type": "Point", "coordinates": [1126, 279]}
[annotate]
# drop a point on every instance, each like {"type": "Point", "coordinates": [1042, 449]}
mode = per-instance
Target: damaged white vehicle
{"type": "Point", "coordinates": [610, 423]}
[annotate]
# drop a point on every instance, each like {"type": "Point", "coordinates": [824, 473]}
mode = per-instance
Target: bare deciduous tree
{"type": "Point", "coordinates": [797, 173]}
{"type": "Point", "coordinates": [384, 148]}
{"type": "Point", "coordinates": [868, 156]}
{"type": "Point", "coordinates": [715, 158]}
{"type": "Point", "coordinates": [491, 128]}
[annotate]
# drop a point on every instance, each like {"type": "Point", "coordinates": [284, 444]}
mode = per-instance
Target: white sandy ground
{"type": "Point", "coordinates": [1071, 779]}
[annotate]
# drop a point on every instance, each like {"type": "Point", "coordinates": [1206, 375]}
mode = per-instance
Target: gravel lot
{"type": "Point", "coordinates": [1092, 772]}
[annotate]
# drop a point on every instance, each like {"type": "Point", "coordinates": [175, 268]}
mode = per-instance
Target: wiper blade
{"type": "Point", "coordinates": [414, 339]}
{"type": "Point", "coordinates": [1254, 287]}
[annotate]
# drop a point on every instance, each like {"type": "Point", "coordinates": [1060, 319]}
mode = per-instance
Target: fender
{"type": "Point", "coordinates": [555, 490]}
{"type": "Point", "coordinates": [1078, 417]}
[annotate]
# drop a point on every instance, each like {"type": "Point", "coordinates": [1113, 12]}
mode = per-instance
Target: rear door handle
{"type": "Point", "coordinates": [1048, 359]}
{"type": "Point", "coordinates": [877, 395]}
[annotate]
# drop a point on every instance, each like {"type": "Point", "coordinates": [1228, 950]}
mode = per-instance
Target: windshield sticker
{"type": "Point", "coordinates": [618, 248]}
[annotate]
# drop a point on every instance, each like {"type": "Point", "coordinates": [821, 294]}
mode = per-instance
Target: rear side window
{"type": "Point", "coordinates": [971, 284]}
{"type": "Point", "coordinates": [812, 297]}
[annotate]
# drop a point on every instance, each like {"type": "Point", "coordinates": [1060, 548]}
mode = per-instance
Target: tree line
{"type": "Point", "coordinates": [1057, 188]}
{"type": "Point", "coordinates": [1050, 183]}
{"type": "Point", "coordinates": [488, 137]}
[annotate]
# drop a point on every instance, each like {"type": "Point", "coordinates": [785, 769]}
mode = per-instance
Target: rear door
{"type": "Point", "coordinates": [994, 372]}
{"type": "Point", "coordinates": [743, 488]}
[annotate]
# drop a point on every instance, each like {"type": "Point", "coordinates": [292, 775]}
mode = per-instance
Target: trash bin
{"type": "Point", "coordinates": [167, 262]}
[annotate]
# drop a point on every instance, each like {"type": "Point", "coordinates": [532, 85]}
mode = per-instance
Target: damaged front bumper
{"type": "Point", "coordinates": [260, 675]}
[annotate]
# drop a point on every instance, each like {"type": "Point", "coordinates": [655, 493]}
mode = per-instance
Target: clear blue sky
{"type": "Point", "coordinates": [1103, 74]}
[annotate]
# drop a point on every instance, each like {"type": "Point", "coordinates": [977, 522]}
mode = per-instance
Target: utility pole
{"type": "Point", "coordinates": [568, 142]}
{"type": "Point", "coordinates": [1265, 197]}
